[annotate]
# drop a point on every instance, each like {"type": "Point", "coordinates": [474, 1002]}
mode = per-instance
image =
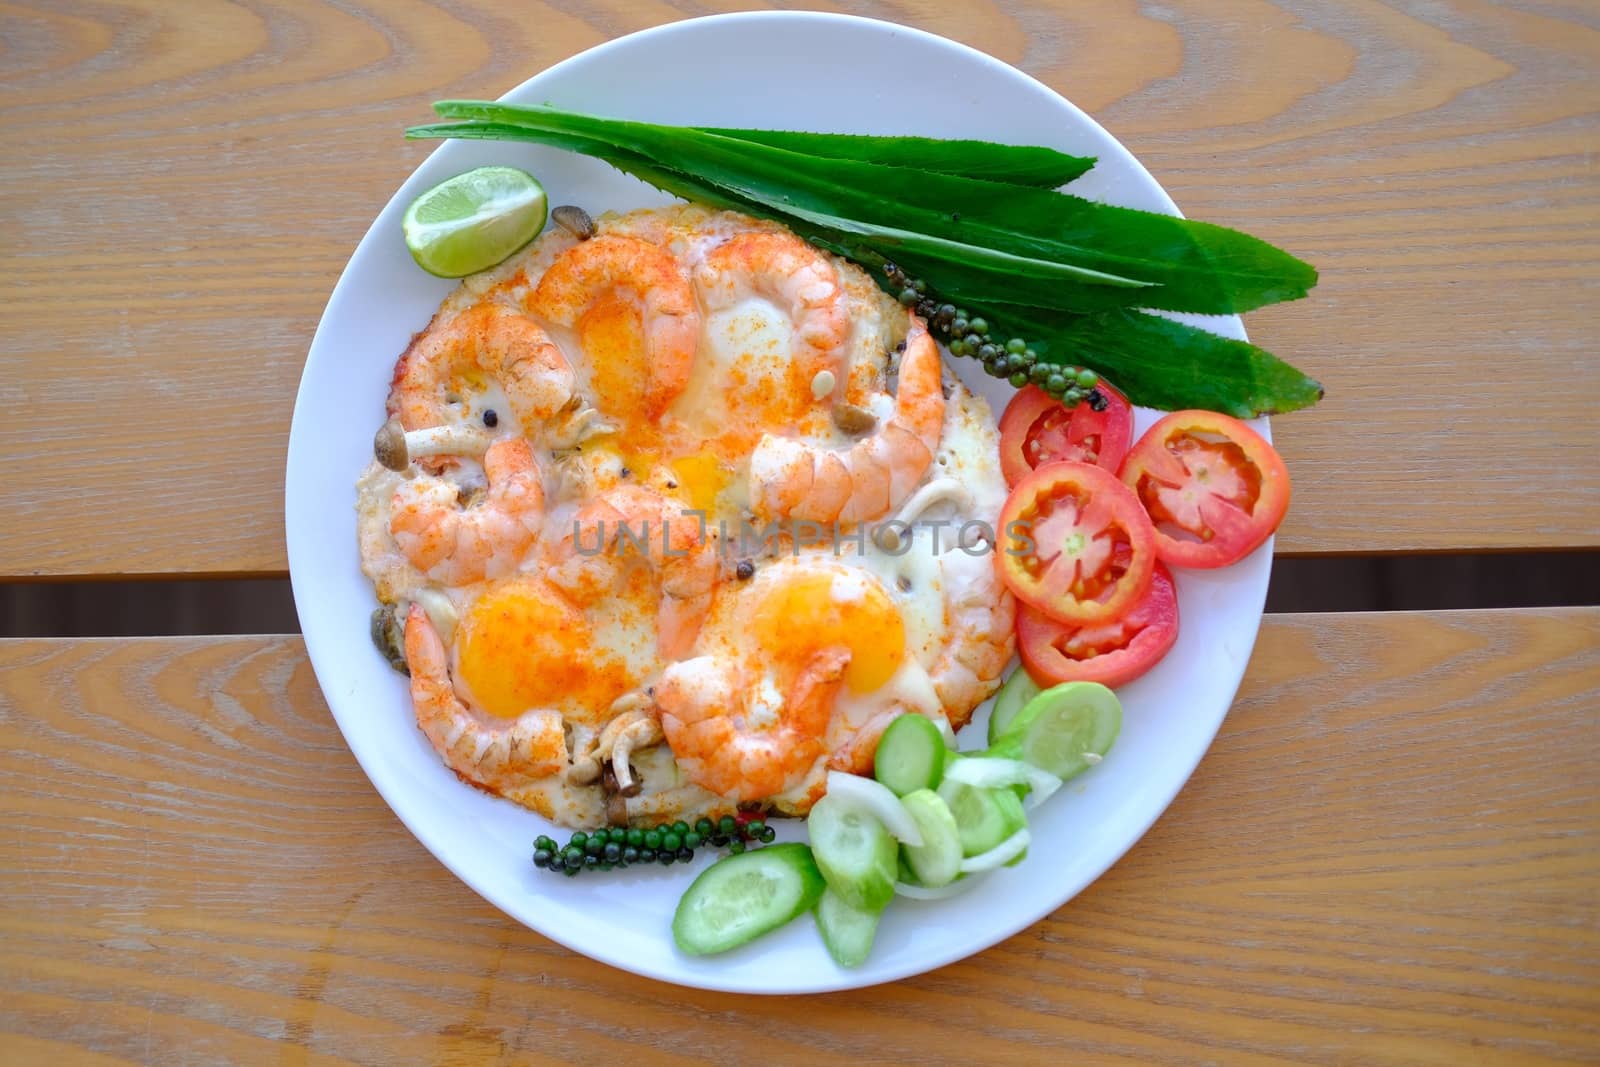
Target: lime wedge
{"type": "Point", "coordinates": [473, 221]}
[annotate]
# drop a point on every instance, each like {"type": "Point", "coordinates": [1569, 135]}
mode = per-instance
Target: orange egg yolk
{"type": "Point", "coordinates": [816, 611]}
{"type": "Point", "coordinates": [522, 647]}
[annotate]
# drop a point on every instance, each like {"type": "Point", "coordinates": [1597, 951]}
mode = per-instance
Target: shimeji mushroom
{"type": "Point", "coordinates": [395, 446]}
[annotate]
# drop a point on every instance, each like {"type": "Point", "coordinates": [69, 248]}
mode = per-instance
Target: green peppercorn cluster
{"type": "Point", "coordinates": [1011, 359]}
{"type": "Point", "coordinates": [666, 844]}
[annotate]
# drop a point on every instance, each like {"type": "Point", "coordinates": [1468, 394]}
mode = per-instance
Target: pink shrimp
{"type": "Point", "coordinates": [456, 545]}
{"type": "Point", "coordinates": [576, 281]}
{"type": "Point", "coordinates": [802, 480]}
{"type": "Point", "coordinates": [631, 525]}
{"type": "Point", "coordinates": [784, 268]}
{"type": "Point", "coordinates": [726, 741]}
{"type": "Point", "coordinates": [503, 344]}
{"type": "Point", "coordinates": [495, 754]}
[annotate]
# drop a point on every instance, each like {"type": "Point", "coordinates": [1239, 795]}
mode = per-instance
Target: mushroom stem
{"type": "Point", "coordinates": [642, 733]}
{"type": "Point", "coordinates": [395, 447]}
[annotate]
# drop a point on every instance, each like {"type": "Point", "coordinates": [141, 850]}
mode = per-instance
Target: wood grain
{"type": "Point", "coordinates": [187, 180]}
{"type": "Point", "coordinates": [1391, 855]}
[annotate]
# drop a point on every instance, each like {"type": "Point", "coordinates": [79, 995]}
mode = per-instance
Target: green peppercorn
{"type": "Point", "coordinates": [1016, 346]}
{"type": "Point", "coordinates": [635, 837]}
{"type": "Point", "coordinates": [704, 827]}
{"type": "Point", "coordinates": [958, 326]}
{"type": "Point", "coordinates": [570, 872]}
{"type": "Point", "coordinates": [579, 839]}
{"type": "Point", "coordinates": [754, 827]}
{"type": "Point", "coordinates": [736, 846]}
{"type": "Point", "coordinates": [685, 855]}
{"type": "Point", "coordinates": [1055, 384]}
{"type": "Point", "coordinates": [919, 285]}
{"type": "Point", "coordinates": [545, 843]}
{"type": "Point", "coordinates": [594, 846]}
{"type": "Point", "coordinates": [1088, 379]}
{"type": "Point", "coordinates": [907, 297]}
{"type": "Point", "coordinates": [613, 852]}
{"type": "Point", "coordinates": [1040, 373]}
{"type": "Point", "coordinates": [630, 855]}
{"type": "Point", "coordinates": [728, 825]}
{"type": "Point", "coordinates": [541, 857]}
{"type": "Point", "coordinates": [692, 839]}
{"type": "Point", "coordinates": [1018, 380]}
{"type": "Point", "coordinates": [978, 326]}
{"type": "Point", "coordinates": [652, 839]}
{"type": "Point", "coordinates": [988, 352]}
{"type": "Point", "coordinates": [947, 312]}
{"type": "Point", "coordinates": [717, 840]}
{"type": "Point", "coordinates": [958, 347]}
{"type": "Point", "coordinates": [680, 827]}
{"type": "Point", "coordinates": [996, 368]}
{"type": "Point", "coordinates": [672, 841]}
{"type": "Point", "coordinates": [592, 860]}
{"type": "Point", "coordinates": [665, 858]}
{"type": "Point", "coordinates": [1072, 397]}
{"type": "Point", "coordinates": [1016, 364]}
{"type": "Point", "coordinates": [572, 854]}
{"type": "Point", "coordinates": [647, 855]}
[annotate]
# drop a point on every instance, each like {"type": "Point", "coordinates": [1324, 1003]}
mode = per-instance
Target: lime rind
{"type": "Point", "coordinates": [474, 220]}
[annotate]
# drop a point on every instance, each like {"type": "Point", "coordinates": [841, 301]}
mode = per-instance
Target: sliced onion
{"type": "Point", "coordinates": [1000, 855]}
{"type": "Point", "coordinates": [987, 772]}
{"type": "Point", "coordinates": [877, 800]}
{"type": "Point", "coordinates": [922, 892]}
{"type": "Point", "coordinates": [947, 730]}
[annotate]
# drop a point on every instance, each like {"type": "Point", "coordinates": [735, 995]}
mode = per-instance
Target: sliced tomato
{"type": "Point", "coordinates": [1036, 429]}
{"type": "Point", "coordinates": [1214, 488]}
{"type": "Point", "coordinates": [1111, 653]}
{"type": "Point", "coordinates": [1076, 544]}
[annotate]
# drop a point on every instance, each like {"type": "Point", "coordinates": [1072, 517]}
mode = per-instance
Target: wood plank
{"type": "Point", "coordinates": [196, 175]}
{"type": "Point", "coordinates": [1391, 855]}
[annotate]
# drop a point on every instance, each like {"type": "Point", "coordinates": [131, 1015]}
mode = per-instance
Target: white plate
{"type": "Point", "coordinates": [771, 69]}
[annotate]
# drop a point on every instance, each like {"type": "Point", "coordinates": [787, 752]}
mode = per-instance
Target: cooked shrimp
{"type": "Point", "coordinates": [501, 343]}
{"type": "Point", "coordinates": [632, 524]}
{"type": "Point", "coordinates": [742, 740]}
{"type": "Point", "coordinates": [979, 616]}
{"type": "Point", "coordinates": [785, 269]}
{"type": "Point", "coordinates": [801, 480]}
{"type": "Point", "coordinates": [456, 545]}
{"type": "Point", "coordinates": [670, 319]}
{"type": "Point", "coordinates": [496, 754]}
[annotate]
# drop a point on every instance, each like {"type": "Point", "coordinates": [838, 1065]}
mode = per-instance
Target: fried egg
{"type": "Point", "coordinates": [581, 635]}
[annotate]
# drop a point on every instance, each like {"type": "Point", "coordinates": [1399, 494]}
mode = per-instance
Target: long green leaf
{"type": "Point", "coordinates": [1162, 364]}
{"type": "Point", "coordinates": [976, 262]}
{"type": "Point", "coordinates": [1042, 168]}
{"type": "Point", "coordinates": [1156, 362]}
{"type": "Point", "coordinates": [1200, 267]}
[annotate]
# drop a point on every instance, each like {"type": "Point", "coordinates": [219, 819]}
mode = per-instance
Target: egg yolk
{"type": "Point", "coordinates": [522, 647]}
{"type": "Point", "coordinates": [701, 478]}
{"type": "Point", "coordinates": [817, 611]}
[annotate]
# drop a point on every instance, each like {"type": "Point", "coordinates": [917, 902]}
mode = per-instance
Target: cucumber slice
{"type": "Point", "coordinates": [1018, 690]}
{"type": "Point", "coordinates": [739, 898]}
{"type": "Point", "coordinates": [937, 861]}
{"type": "Point", "coordinates": [1064, 730]}
{"type": "Point", "coordinates": [984, 817]}
{"type": "Point", "coordinates": [854, 851]}
{"type": "Point", "coordinates": [846, 930]}
{"type": "Point", "coordinates": [911, 755]}
{"type": "Point", "coordinates": [877, 800]}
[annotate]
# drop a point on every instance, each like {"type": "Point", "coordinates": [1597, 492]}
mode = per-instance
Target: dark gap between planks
{"type": "Point", "coordinates": [264, 605]}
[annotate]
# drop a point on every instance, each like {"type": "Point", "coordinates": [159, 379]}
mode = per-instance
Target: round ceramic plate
{"type": "Point", "coordinates": [775, 70]}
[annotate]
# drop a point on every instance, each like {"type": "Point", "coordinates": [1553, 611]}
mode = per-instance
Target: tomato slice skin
{"type": "Point", "coordinates": [1214, 488]}
{"type": "Point", "coordinates": [1113, 653]}
{"type": "Point", "coordinates": [1037, 429]}
{"type": "Point", "coordinates": [1076, 544]}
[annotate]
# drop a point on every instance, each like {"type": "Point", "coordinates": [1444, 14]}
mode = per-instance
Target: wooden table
{"type": "Point", "coordinates": [1392, 853]}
